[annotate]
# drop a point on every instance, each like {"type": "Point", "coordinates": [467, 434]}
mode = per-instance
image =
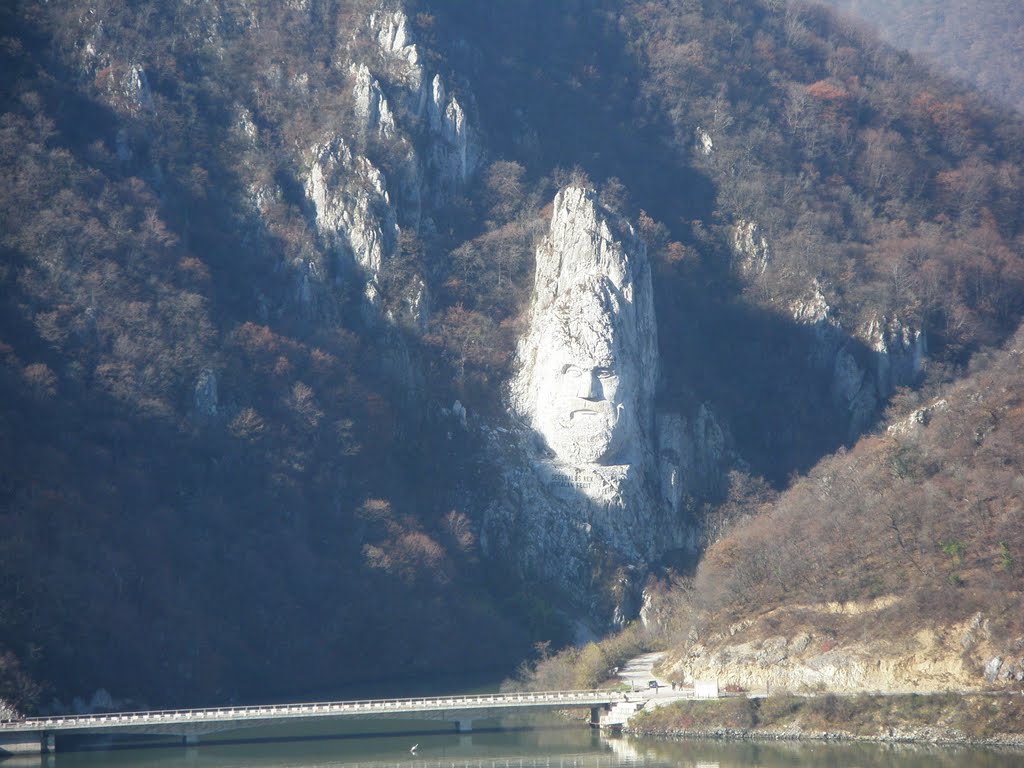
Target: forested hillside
{"type": "Point", "coordinates": [798, 180]}
{"type": "Point", "coordinates": [212, 487]}
{"type": "Point", "coordinates": [930, 509]}
{"type": "Point", "coordinates": [979, 43]}
{"type": "Point", "coordinates": [265, 267]}
{"type": "Point", "coordinates": [915, 533]}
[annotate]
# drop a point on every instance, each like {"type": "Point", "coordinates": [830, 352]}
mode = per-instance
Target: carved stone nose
{"type": "Point", "coordinates": [589, 388]}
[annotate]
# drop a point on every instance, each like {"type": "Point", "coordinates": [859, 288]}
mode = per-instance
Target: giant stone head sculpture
{"type": "Point", "coordinates": [588, 364]}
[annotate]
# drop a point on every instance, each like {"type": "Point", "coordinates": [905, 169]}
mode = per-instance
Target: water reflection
{"type": "Point", "coordinates": [505, 744]}
{"type": "Point", "coordinates": [742, 754]}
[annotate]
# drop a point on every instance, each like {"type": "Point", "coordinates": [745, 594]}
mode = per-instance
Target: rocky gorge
{"type": "Point", "coordinates": [357, 313]}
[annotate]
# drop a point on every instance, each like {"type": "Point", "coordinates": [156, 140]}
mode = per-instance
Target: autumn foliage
{"type": "Point", "coordinates": [213, 455]}
{"type": "Point", "coordinates": [930, 512]}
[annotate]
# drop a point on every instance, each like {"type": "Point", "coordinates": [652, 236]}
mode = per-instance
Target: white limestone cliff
{"type": "Point", "coordinates": [581, 481]}
{"type": "Point", "coordinates": [122, 82]}
{"type": "Point", "coordinates": [455, 152]}
{"type": "Point", "coordinates": [398, 50]}
{"type": "Point", "coordinates": [704, 143]}
{"type": "Point", "coordinates": [135, 87]}
{"type": "Point", "coordinates": [854, 393]}
{"type": "Point", "coordinates": [354, 216]}
{"type": "Point", "coordinates": [125, 88]}
{"type": "Point", "coordinates": [245, 127]}
{"type": "Point", "coordinates": [588, 367]}
{"type": "Point", "coordinates": [455, 148]}
{"type": "Point", "coordinates": [900, 351]}
{"type": "Point", "coordinates": [891, 354]}
{"type": "Point", "coordinates": [370, 104]}
{"type": "Point", "coordinates": [852, 389]}
{"type": "Point", "coordinates": [813, 309]}
{"type": "Point", "coordinates": [694, 457]}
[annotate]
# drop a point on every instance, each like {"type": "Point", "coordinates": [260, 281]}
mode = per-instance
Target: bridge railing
{"type": "Point", "coordinates": [434, 703]}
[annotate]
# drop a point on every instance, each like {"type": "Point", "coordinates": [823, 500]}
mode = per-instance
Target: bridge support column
{"type": "Point", "coordinates": [464, 726]}
{"type": "Point", "coordinates": [190, 739]}
{"type": "Point", "coordinates": [26, 743]}
{"type": "Point", "coordinates": [595, 716]}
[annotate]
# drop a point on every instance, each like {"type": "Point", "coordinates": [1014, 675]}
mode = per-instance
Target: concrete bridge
{"type": "Point", "coordinates": [38, 734]}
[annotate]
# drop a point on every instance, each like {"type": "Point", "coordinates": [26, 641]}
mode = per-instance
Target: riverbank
{"type": "Point", "coordinates": [948, 718]}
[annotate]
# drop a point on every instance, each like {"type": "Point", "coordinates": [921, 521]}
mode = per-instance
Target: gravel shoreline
{"type": "Point", "coordinates": [934, 736]}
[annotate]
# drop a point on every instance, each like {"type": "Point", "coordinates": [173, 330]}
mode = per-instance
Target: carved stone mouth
{"type": "Point", "coordinates": [586, 413]}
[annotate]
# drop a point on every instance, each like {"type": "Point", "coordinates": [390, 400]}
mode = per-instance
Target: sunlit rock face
{"type": "Point", "coordinates": [370, 105]}
{"type": "Point", "coordinates": [900, 353]}
{"type": "Point", "coordinates": [589, 364]}
{"type": "Point", "coordinates": [354, 215]}
{"type": "Point", "coordinates": [584, 506]}
{"type": "Point", "coordinates": [454, 147]}
{"type": "Point", "coordinates": [750, 247]}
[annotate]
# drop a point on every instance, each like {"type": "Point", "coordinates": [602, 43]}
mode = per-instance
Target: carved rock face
{"type": "Point", "coordinates": [589, 362]}
{"type": "Point", "coordinates": [591, 473]}
{"type": "Point", "coordinates": [586, 388]}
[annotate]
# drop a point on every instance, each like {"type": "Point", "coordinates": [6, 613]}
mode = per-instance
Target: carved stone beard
{"type": "Point", "coordinates": [585, 435]}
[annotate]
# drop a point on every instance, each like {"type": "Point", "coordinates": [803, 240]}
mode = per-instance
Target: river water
{"type": "Point", "coordinates": [511, 743]}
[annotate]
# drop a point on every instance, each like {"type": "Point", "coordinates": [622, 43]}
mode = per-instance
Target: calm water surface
{"type": "Point", "coordinates": [508, 743]}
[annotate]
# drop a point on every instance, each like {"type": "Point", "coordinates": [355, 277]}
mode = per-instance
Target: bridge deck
{"type": "Point", "coordinates": [223, 718]}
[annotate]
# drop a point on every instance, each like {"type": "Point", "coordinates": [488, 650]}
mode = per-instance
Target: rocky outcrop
{"type": "Point", "coordinates": [864, 369]}
{"type": "Point", "coordinates": [244, 125]}
{"type": "Point", "coordinates": [122, 82]}
{"type": "Point", "coordinates": [749, 245]}
{"type": "Point", "coordinates": [400, 56]}
{"type": "Point", "coordinates": [455, 148]}
{"type": "Point", "coordinates": [917, 419]}
{"type": "Point", "coordinates": [900, 351]}
{"type": "Point", "coordinates": [354, 216]}
{"type": "Point", "coordinates": [854, 392]}
{"type": "Point", "coordinates": [852, 388]}
{"type": "Point", "coordinates": [694, 455]}
{"type": "Point", "coordinates": [704, 144]}
{"type": "Point", "coordinates": [355, 213]}
{"type": "Point", "coordinates": [133, 87]}
{"type": "Point", "coordinates": [958, 657]}
{"type": "Point", "coordinates": [583, 504]}
{"type": "Point", "coordinates": [1000, 669]}
{"type": "Point", "coordinates": [370, 105]}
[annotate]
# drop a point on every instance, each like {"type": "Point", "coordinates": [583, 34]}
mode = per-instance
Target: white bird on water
{"type": "Point", "coordinates": [412, 750]}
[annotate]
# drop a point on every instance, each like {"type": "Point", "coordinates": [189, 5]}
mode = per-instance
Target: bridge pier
{"type": "Point", "coordinates": [190, 739]}
{"type": "Point", "coordinates": [28, 743]}
{"type": "Point", "coordinates": [464, 726]}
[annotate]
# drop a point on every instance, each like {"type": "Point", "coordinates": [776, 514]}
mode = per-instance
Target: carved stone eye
{"type": "Point", "coordinates": [572, 371]}
{"type": "Point", "coordinates": [605, 373]}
